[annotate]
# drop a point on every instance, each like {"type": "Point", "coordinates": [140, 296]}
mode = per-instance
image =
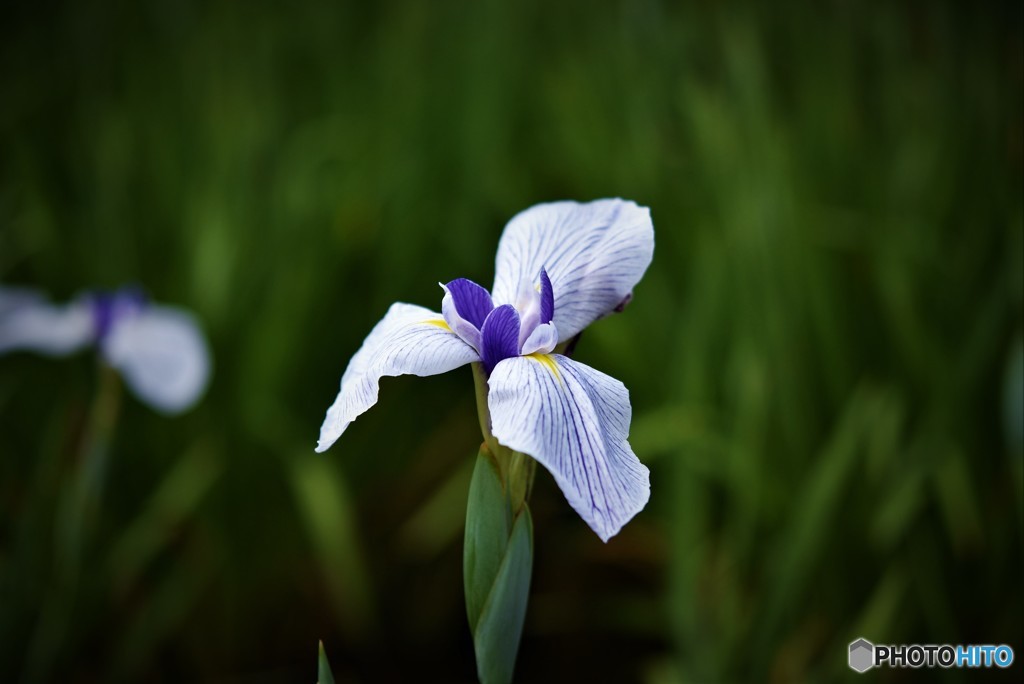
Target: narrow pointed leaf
{"type": "Point", "coordinates": [496, 637]}
{"type": "Point", "coordinates": [488, 525]}
{"type": "Point", "coordinates": [323, 668]}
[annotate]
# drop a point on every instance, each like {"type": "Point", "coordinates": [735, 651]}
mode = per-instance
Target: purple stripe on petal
{"type": "Point", "coordinates": [500, 336]}
{"type": "Point", "coordinates": [547, 298]}
{"type": "Point", "coordinates": [472, 301]}
{"type": "Point", "coordinates": [574, 421]}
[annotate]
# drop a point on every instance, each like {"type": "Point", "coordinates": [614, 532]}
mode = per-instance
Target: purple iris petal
{"type": "Point", "coordinates": [471, 301]}
{"type": "Point", "coordinates": [547, 298]}
{"type": "Point", "coordinates": [102, 313]}
{"type": "Point", "coordinates": [110, 307]}
{"type": "Point", "coordinates": [500, 336]}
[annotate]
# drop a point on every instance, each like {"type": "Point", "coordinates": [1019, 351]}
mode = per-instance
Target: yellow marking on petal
{"type": "Point", "coordinates": [439, 322]}
{"type": "Point", "coordinates": [548, 362]}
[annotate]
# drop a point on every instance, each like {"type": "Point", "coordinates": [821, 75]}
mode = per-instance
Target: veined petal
{"type": "Point", "coordinates": [547, 298]}
{"type": "Point", "coordinates": [459, 325]}
{"type": "Point", "coordinates": [162, 355]}
{"type": "Point", "coordinates": [594, 255]}
{"type": "Point", "coordinates": [574, 421]}
{"type": "Point", "coordinates": [28, 321]}
{"type": "Point", "coordinates": [500, 336]}
{"type": "Point", "coordinates": [472, 302]}
{"type": "Point", "coordinates": [409, 340]}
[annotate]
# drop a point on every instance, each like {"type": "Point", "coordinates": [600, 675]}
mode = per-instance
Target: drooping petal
{"type": "Point", "coordinates": [500, 336]}
{"type": "Point", "coordinates": [574, 421]}
{"type": "Point", "coordinates": [594, 254]}
{"type": "Point", "coordinates": [12, 298]}
{"type": "Point", "coordinates": [29, 322]}
{"type": "Point", "coordinates": [409, 340]}
{"type": "Point", "coordinates": [162, 355]}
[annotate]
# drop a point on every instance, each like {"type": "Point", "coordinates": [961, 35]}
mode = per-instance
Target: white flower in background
{"type": "Point", "coordinates": [159, 351]}
{"type": "Point", "coordinates": [559, 267]}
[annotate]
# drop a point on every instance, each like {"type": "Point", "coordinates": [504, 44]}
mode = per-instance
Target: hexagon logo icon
{"type": "Point", "coordinates": [862, 655]}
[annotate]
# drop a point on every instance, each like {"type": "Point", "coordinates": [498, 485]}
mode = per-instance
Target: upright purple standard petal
{"type": "Point", "coordinates": [410, 340]}
{"type": "Point", "coordinates": [547, 298]}
{"type": "Point", "coordinates": [574, 421]}
{"type": "Point", "coordinates": [500, 336]}
{"type": "Point", "coordinates": [594, 253]}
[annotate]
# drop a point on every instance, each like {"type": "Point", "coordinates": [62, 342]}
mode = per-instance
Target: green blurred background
{"type": "Point", "coordinates": [824, 359]}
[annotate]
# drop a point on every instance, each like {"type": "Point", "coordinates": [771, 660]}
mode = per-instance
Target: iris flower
{"type": "Point", "coordinates": [559, 267]}
{"type": "Point", "coordinates": [159, 351]}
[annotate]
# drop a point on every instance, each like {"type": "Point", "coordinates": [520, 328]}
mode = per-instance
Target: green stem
{"type": "Point", "coordinates": [515, 469]}
{"type": "Point", "coordinates": [498, 551]}
{"type": "Point", "coordinates": [482, 412]}
{"type": "Point", "coordinates": [77, 511]}
{"type": "Point", "coordinates": [82, 509]}
{"type": "Point", "coordinates": [520, 479]}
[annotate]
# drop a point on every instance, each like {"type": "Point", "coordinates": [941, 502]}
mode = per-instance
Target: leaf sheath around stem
{"type": "Point", "coordinates": [497, 564]}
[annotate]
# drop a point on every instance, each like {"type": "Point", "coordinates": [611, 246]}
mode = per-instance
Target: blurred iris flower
{"type": "Point", "coordinates": [559, 267]}
{"type": "Point", "coordinates": [159, 351]}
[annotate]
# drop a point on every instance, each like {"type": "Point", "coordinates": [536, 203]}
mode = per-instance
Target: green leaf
{"type": "Point", "coordinates": [496, 637]}
{"type": "Point", "coordinates": [497, 563]}
{"type": "Point", "coordinates": [488, 527]}
{"type": "Point", "coordinates": [323, 668]}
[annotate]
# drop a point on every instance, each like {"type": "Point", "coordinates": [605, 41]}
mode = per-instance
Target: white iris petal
{"type": "Point", "coordinates": [528, 306]}
{"type": "Point", "coordinates": [409, 340]}
{"type": "Point", "coordinates": [29, 322]}
{"type": "Point", "coordinates": [162, 355]}
{"type": "Point", "coordinates": [594, 254]}
{"type": "Point", "coordinates": [542, 340]}
{"type": "Point", "coordinates": [574, 421]}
